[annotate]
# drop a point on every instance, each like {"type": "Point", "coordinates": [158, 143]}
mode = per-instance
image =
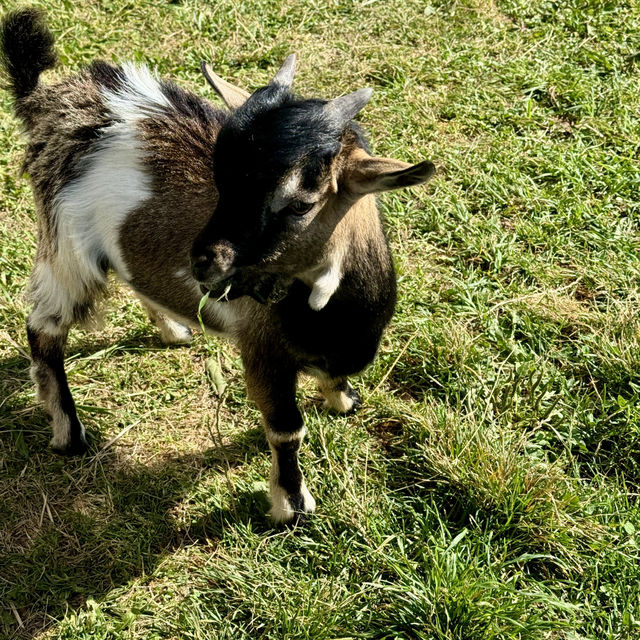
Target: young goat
{"type": "Point", "coordinates": [269, 207]}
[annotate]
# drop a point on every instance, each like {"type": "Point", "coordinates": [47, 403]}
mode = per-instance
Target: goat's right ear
{"type": "Point", "coordinates": [231, 95]}
{"type": "Point", "coordinates": [367, 174]}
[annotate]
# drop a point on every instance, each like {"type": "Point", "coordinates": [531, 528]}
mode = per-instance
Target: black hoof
{"type": "Point", "coordinates": [357, 400]}
{"type": "Point", "coordinates": [74, 448]}
{"type": "Point", "coordinates": [300, 517]}
{"type": "Point", "coordinates": [300, 520]}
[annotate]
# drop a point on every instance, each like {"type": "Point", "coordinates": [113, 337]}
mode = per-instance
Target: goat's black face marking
{"type": "Point", "coordinates": [269, 136]}
{"type": "Point", "coordinates": [270, 161]}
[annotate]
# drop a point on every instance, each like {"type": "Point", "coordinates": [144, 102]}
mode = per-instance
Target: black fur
{"type": "Point", "coordinates": [107, 75]}
{"type": "Point", "coordinates": [257, 145]}
{"type": "Point", "coordinates": [268, 135]}
{"type": "Point", "coordinates": [47, 354]}
{"type": "Point", "coordinates": [188, 104]}
{"type": "Point", "coordinates": [26, 46]}
{"type": "Point", "coordinates": [343, 337]}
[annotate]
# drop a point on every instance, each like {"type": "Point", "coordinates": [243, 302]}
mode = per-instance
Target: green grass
{"type": "Point", "coordinates": [488, 487]}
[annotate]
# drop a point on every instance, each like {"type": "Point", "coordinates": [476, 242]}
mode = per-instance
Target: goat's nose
{"type": "Point", "coordinates": [201, 264]}
{"type": "Point", "coordinates": [214, 261]}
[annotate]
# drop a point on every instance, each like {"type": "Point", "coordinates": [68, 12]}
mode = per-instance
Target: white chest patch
{"type": "Point", "coordinates": [325, 280]}
{"type": "Point", "coordinates": [324, 287]}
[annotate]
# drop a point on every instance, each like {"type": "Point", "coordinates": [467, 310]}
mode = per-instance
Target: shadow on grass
{"type": "Point", "coordinates": [76, 528]}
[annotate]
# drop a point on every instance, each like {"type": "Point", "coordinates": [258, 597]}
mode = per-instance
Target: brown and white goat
{"type": "Point", "coordinates": [271, 202]}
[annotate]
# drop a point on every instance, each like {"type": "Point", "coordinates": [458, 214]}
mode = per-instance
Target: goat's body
{"type": "Point", "coordinates": [91, 138]}
{"type": "Point", "coordinates": [122, 167]}
{"type": "Point", "coordinates": [123, 132]}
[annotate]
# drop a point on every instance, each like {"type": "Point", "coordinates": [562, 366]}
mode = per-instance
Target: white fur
{"type": "Point", "coordinates": [281, 509]}
{"type": "Point", "coordinates": [325, 279]}
{"type": "Point", "coordinates": [286, 190]}
{"type": "Point", "coordinates": [290, 189]}
{"type": "Point", "coordinates": [171, 332]}
{"type": "Point", "coordinates": [334, 398]}
{"type": "Point", "coordinates": [90, 210]}
{"type": "Point", "coordinates": [61, 426]}
{"type": "Point", "coordinates": [56, 288]}
{"type": "Point", "coordinates": [338, 401]}
{"type": "Point", "coordinates": [278, 438]}
{"type": "Point", "coordinates": [325, 286]}
{"type": "Point", "coordinates": [139, 96]}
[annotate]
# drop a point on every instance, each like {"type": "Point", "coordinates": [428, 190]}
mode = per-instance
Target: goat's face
{"type": "Point", "coordinates": [278, 163]}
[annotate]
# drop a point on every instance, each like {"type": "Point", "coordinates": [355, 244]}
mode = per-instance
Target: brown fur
{"type": "Point", "coordinates": [62, 122]}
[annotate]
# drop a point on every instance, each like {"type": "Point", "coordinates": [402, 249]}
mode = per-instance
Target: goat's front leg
{"type": "Point", "coordinates": [273, 390]}
{"type": "Point", "coordinates": [47, 371]}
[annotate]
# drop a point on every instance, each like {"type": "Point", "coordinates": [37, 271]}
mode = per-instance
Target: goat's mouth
{"type": "Point", "coordinates": [265, 288]}
{"type": "Point", "coordinates": [221, 290]}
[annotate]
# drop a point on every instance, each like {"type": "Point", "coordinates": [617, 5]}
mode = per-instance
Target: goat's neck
{"type": "Point", "coordinates": [357, 231]}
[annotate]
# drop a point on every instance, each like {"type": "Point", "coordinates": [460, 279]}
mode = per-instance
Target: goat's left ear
{"type": "Point", "coordinates": [231, 95]}
{"type": "Point", "coordinates": [368, 174]}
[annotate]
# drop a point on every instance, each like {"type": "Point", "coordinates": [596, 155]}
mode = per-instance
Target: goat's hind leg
{"type": "Point", "coordinates": [47, 371]}
{"type": "Point", "coordinates": [171, 331]}
{"type": "Point", "coordinates": [338, 394]}
{"type": "Point", "coordinates": [55, 310]}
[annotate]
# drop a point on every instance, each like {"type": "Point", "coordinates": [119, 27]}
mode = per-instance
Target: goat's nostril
{"type": "Point", "coordinates": [202, 261]}
{"type": "Point", "coordinates": [200, 264]}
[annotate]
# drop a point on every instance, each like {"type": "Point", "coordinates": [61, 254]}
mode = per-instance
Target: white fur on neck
{"type": "Point", "coordinates": [324, 287]}
{"type": "Point", "coordinates": [325, 280]}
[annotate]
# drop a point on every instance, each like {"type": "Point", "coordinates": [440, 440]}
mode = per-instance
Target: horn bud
{"type": "Point", "coordinates": [345, 108]}
{"type": "Point", "coordinates": [284, 77]}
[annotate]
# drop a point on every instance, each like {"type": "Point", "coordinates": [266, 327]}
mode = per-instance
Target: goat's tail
{"type": "Point", "coordinates": [26, 49]}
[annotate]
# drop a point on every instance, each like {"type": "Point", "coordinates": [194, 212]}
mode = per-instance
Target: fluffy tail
{"type": "Point", "coordinates": [26, 49]}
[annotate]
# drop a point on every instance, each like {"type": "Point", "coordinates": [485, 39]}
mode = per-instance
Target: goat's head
{"type": "Point", "coordinates": [286, 169]}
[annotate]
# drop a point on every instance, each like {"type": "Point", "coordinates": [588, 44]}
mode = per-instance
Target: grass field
{"type": "Point", "coordinates": [488, 488]}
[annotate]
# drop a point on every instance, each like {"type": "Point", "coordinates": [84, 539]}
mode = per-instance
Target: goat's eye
{"type": "Point", "coordinates": [298, 207]}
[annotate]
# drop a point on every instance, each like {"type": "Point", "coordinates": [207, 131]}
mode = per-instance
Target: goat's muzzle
{"type": "Point", "coordinates": [213, 264]}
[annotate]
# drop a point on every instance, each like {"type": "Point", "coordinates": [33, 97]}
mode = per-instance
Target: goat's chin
{"type": "Point", "coordinates": [221, 290]}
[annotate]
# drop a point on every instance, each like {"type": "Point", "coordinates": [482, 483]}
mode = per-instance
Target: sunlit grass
{"type": "Point", "coordinates": [487, 488]}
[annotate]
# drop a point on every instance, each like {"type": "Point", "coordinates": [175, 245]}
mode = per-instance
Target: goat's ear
{"type": "Point", "coordinates": [368, 174]}
{"type": "Point", "coordinates": [231, 95]}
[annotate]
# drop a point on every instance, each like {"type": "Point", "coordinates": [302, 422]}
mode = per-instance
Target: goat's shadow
{"type": "Point", "coordinates": [75, 528]}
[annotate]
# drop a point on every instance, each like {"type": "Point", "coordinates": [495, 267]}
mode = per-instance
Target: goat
{"type": "Point", "coordinates": [269, 207]}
